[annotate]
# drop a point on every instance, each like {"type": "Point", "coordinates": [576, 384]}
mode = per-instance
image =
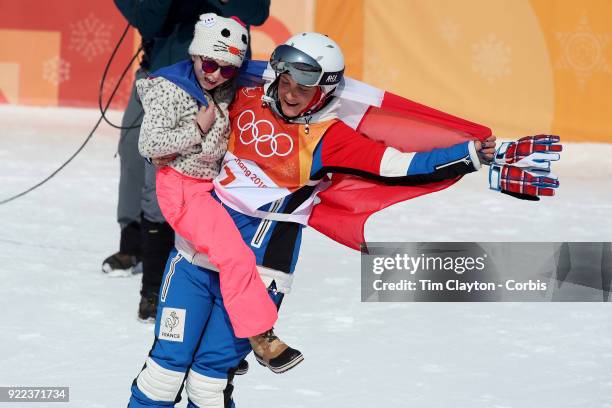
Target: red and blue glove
{"type": "Point", "coordinates": [532, 152]}
{"type": "Point", "coordinates": [522, 168]}
{"type": "Point", "coordinates": [523, 184]}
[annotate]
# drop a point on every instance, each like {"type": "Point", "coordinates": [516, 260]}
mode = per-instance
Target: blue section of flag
{"type": "Point", "coordinates": [317, 159]}
{"type": "Point", "coordinates": [251, 73]}
{"type": "Point", "coordinates": [182, 75]}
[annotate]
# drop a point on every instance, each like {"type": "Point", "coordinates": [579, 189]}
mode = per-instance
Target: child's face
{"type": "Point", "coordinates": [209, 80]}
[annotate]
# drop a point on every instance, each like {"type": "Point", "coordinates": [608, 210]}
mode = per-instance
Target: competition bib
{"type": "Point", "coordinates": [267, 158]}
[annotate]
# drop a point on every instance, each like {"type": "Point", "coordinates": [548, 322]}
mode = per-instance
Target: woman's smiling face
{"type": "Point", "coordinates": [293, 97]}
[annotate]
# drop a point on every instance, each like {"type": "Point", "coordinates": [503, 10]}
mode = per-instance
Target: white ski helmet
{"type": "Point", "coordinates": [311, 59]}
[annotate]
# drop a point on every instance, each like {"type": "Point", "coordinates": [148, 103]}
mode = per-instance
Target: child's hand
{"type": "Point", "coordinates": [164, 160]}
{"type": "Point", "coordinates": [205, 118]}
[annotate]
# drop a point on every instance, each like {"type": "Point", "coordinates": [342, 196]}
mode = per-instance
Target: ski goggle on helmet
{"type": "Point", "coordinates": [311, 59]}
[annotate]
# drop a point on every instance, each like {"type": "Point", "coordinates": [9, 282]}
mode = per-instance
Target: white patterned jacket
{"type": "Point", "coordinates": [169, 127]}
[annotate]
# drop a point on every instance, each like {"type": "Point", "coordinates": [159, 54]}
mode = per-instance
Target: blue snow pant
{"type": "Point", "coordinates": [194, 346]}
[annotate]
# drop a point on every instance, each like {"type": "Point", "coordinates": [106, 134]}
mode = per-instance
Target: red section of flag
{"type": "Point", "coordinates": [2, 97]}
{"type": "Point", "coordinates": [408, 126]}
{"type": "Point", "coordinates": [411, 126]}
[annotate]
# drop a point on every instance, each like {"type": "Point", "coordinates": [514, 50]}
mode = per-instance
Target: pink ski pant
{"type": "Point", "coordinates": [193, 213]}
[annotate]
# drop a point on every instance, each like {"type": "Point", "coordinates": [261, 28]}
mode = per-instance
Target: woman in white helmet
{"type": "Point", "coordinates": [278, 153]}
{"type": "Point", "coordinates": [312, 62]}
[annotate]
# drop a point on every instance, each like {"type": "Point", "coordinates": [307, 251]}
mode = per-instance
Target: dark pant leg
{"type": "Point", "coordinates": [157, 243]}
{"type": "Point", "coordinates": [131, 176]}
{"type": "Point", "coordinates": [158, 236]}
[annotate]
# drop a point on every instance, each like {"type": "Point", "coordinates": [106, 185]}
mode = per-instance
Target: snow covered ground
{"type": "Point", "coordinates": [65, 324]}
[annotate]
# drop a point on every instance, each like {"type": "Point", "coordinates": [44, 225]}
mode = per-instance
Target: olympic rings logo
{"type": "Point", "coordinates": [261, 133]}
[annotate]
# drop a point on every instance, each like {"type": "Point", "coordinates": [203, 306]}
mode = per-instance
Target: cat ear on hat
{"type": "Point", "coordinates": [244, 37]}
{"type": "Point", "coordinates": [238, 20]}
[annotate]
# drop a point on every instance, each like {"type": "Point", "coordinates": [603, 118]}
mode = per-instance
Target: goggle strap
{"type": "Point", "coordinates": [331, 78]}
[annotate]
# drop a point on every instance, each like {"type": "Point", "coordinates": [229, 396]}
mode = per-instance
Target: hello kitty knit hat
{"type": "Point", "coordinates": [220, 38]}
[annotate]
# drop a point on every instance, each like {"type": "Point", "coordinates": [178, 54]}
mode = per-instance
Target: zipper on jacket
{"type": "Point", "coordinates": [465, 160]}
{"type": "Point", "coordinates": [265, 224]}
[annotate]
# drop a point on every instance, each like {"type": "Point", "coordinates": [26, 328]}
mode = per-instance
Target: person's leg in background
{"type": "Point", "coordinates": [157, 242]}
{"type": "Point", "coordinates": [131, 182]}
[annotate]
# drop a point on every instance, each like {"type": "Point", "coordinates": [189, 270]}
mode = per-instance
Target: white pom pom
{"type": "Point", "coordinates": [208, 19]}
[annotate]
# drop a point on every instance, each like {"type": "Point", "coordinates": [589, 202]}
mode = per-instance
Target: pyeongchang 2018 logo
{"type": "Point", "coordinates": [261, 133]}
{"type": "Point", "coordinates": [249, 92]}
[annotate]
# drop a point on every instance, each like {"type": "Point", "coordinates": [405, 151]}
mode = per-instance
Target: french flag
{"type": "Point", "coordinates": [348, 202]}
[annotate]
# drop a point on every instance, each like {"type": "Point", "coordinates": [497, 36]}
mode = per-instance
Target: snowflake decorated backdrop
{"type": "Point", "coordinates": [519, 66]}
{"type": "Point", "coordinates": [54, 53]}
